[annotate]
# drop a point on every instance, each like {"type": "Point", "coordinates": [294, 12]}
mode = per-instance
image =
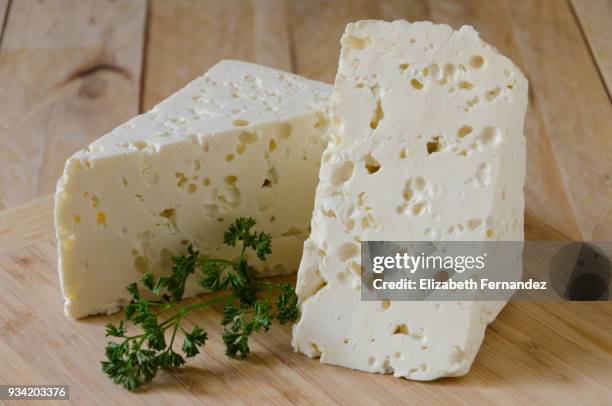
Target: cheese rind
{"type": "Point", "coordinates": [242, 140]}
{"type": "Point", "coordinates": [426, 144]}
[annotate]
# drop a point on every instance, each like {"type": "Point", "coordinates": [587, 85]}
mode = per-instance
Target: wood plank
{"type": "Point", "coordinates": [595, 18]}
{"type": "Point", "coordinates": [210, 30]}
{"type": "Point", "coordinates": [317, 26]}
{"type": "Point", "coordinates": [545, 196]}
{"type": "Point", "coordinates": [26, 223]}
{"type": "Point", "coordinates": [574, 105]}
{"type": "Point", "coordinates": [3, 9]}
{"type": "Point", "coordinates": [69, 72]}
{"type": "Point", "coordinates": [534, 353]}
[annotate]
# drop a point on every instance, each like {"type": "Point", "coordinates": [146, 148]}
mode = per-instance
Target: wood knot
{"type": "Point", "coordinates": [92, 87]}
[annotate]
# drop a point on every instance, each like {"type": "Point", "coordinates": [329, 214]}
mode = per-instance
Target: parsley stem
{"type": "Point", "coordinates": [208, 302]}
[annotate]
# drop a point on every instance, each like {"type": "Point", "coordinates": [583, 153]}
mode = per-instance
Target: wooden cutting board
{"type": "Point", "coordinates": [547, 353]}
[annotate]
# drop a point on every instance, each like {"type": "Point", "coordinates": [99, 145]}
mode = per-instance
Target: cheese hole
{"type": "Point", "coordinates": [465, 85]}
{"type": "Point", "coordinates": [347, 251]}
{"type": "Point", "coordinates": [329, 213]}
{"type": "Point", "coordinates": [100, 218]}
{"type": "Point", "coordinates": [477, 61]}
{"type": "Point", "coordinates": [358, 42]}
{"type": "Point", "coordinates": [435, 145]}
{"type": "Point", "coordinates": [139, 144]}
{"type": "Point", "coordinates": [229, 157]}
{"type": "Point", "coordinates": [151, 178]}
{"type": "Point", "coordinates": [385, 304]}
{"type": "Point", "coordinates": [416, 84]}
{"type": "Point", "coordinates": [418, 208]}
{"type": "Point", "coordinates": [310, 285]}
{"type": "Point", "coordinates": [141, 264]}
{"type": "Point", "coordinates": [371, 361]}
{"type": "Point", "coordinates": [239, 122]}
{"type": "Point", "coordinates": [125, 182]}
{"type": "Point", "coordinates": [403, 153]}
{"type": "Point", "coordinates": [168, 213]}
{"type": "Point", "coordinates": [240, 149]}
{"type": "Point", "coordinates": [378, 115]}
{"type": "Point", "coordinates": [491, 95]}
{"type": "Point", "coordinates": [350, 224]}
{"type": "Point", "coordinates": [206, 182]}
{"type": "Point", "coordinates": [284, 131]}
{"type": "Point", "coordinates": [342, 173]}
{"type": "Point", "coordinates": [77, 218]}
{"type": "Point", "coordinates": [272, 145]}
{"type": "Point", "coordinates": [95, 201]}
{"type": "Point", "coordinates": [398, 355]}
{"type": "Point", "coordinates": [248, 138]}
{"type": "Point", "coordinates": [271, 178]}
{"type": "Point", "coordinates": [365, 222]}
{"type": "Point", "coordinates": [419, 183]}
{"type": "Point", "coordinates": [489, 137]}
{"type": "Point", "coordinates": [345, 278]}
{"type": "Point", "coordinates": [465, 130]}
{"type": "Point", "coordinates": [473, 224]}
{"type": "Point", "coordinates": [182, 179]}
{"type": "Point", "coordinates": [123, 230]}
{"type": "Point", "coordinates": [401, 329]}
{"type": "Point", "coordinates": [192, 188]}
{"type": "Point", "coordinates": [489, 233]}
{"type": "Point", "coordinates": [404, 66]}
{"type": "Point", "coordinates": [371, 164]}
{"type": "Point", "coordinates": [356, 268]}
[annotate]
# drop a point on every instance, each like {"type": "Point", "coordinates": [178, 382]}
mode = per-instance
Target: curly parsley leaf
{"type": "Point", "coordinates": [250, 306]}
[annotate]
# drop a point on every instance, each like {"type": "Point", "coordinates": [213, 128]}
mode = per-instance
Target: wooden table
{"type": "Point", "coordinates": [71, 70]}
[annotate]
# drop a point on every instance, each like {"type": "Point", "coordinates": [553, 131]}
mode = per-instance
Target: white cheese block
{"type": "Point", "coordinates": [242, 140]}
{"type": "Point", "coordinates": [426, 144]}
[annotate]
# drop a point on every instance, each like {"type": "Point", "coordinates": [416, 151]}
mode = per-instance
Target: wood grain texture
{"type": "Point", "coordinates": [575, 108]}
{"type": "Point", "coordinates": [545, 195]}
{"type": "Point", "coordinates": [535, 353]}
{"type": "Point", "coordinates": [595, 17]}
{"type": "Point", "coordinates": [3, 9]}
{"type": "Point", "coordinates": [187, 37]}
{"type": "Point", "coordinates": [317, 26]}
{"type": "Point", "coordinates": [26, 223]}
{"type": "Point", "coordinates": [69, 72]}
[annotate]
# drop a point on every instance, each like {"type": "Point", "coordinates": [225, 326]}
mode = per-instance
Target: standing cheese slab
{"type": "Point", "coordinates": [426, 144]}
{"type": "Point", "coordinates": [242, 140]}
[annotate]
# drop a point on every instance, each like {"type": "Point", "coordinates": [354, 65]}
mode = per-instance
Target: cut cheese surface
{"type": "Point", "coordinates": [426, 144]}
{"type": "Point", "coordinates": [242, 140]}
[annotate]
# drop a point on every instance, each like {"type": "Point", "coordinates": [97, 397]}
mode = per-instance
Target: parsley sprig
{"type": "Point", "coordinates": [250, 306]}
